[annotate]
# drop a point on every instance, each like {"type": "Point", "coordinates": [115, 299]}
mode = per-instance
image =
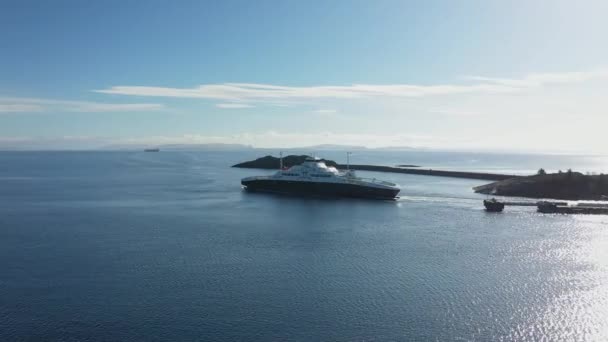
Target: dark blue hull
{"type": "Point", "coordinates": [324, 189]}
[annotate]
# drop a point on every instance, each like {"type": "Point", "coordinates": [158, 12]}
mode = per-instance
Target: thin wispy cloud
{"type": "Point", "coordinates": [543, 79]}
{"type": "Point", "coordinates": [233, 105]}
{"type": "Point", "coordinates": [267, 92]}
{"type": "Point", "coordinates": [30, 105]}
{"type": "Point", "coordinates": [112, 107]}
{"type": "Point", "coordinates": [270, 93]}
{"type": "Point", "coordinates": [19, 107]}
{"type": "Point", "coordinates": [325, 111]}
{"type": "Point", "coordinates": [454, 112]}
{"type": "Point", "coordinates": [75, 142]}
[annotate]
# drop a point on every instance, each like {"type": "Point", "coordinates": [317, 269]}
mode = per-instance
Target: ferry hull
{"type": "Point", "coordinates": [323, 189]}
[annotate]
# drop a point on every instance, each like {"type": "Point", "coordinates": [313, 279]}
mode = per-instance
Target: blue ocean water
{"type": "Point", "coordinates": [134, 246]}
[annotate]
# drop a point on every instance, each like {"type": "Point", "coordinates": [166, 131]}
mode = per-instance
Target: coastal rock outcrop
{"type": "Point", "coordinates": [565, 185]}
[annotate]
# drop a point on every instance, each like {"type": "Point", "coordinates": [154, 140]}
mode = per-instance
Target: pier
{"type": "Point", "coordinates": [550, 207]}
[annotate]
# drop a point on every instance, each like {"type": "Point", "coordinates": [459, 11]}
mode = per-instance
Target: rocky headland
{"type": "Point", "coordinates": [565, 185]}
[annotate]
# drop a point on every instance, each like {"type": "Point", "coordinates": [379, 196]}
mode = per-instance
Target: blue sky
{"type": "Point", "coordinates": [509, 75]}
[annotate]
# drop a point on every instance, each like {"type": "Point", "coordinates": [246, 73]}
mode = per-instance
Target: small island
{"type": "Point", "coordinates": [562, 185]}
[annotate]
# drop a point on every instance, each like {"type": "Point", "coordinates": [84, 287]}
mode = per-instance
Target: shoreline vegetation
{"type": "Point", "coordinates": [562, 185]}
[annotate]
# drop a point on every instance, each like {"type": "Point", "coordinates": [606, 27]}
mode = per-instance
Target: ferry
{"type": "Point", "coordinates": [314, 177]}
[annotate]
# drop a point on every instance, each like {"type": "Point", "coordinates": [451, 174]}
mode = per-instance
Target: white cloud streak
{"type": "Point", "coordinates": [266, 92]}
{"type": "Point", "coordinates": [19, 107]}
{"type": "Point", "coordinates": [269, 93]}
{"type": "Point", "coordinates": [69, 142]}
{"type": "Point", "coordinates": [31, 105]}
{"type": "Point", "coordinates": [325, 111]}
{"type": "Point", "coordinates": [544, 79]}
{"type": "Point", "coordinates": [233, 105]}
{"type": "Point", "coordinates": [454, 112]}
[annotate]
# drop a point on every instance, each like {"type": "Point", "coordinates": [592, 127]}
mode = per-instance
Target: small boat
{"type": "Point", "coordinates": [152, 150]}
{"type": "Point", "coordinates": [493, 205]}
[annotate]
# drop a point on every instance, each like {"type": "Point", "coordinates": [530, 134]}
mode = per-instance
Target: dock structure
{"type": "Point", "coordinates": [521, 204]}
{"type": "Point", "coordinates": [549, 207]}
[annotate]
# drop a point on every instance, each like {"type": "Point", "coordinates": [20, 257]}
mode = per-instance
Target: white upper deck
{"type": "Point", "coordinates": [315, 170]}
{"type": "Point", "coordinates": [311, 167]}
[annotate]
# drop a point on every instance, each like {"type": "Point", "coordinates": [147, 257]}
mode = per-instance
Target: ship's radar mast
{"type": "Point", "coordinates": [348, 160]}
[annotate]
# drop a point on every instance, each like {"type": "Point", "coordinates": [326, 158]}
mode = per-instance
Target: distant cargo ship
{"type": "Point", "coordinates": [314, 177]}
{"type": "Point", "coordinates": [152, 150]}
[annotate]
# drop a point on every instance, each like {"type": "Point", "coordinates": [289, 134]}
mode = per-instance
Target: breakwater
{"type": "Point", "coordinates": [431, 172]}
{"type": "Point", "coordinates": [269, 162]}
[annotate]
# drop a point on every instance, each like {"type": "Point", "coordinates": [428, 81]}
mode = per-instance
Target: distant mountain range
{"type": "Point", "coordinates": [206, 147]}
{"type": "Point", "coordinates": [240, 147]}
{"type": "Point", "coordinates": [182, 147]}
{"type": "Point", "coordinates": [329, 147]}
{"type": "Point", "coordinates": [332, 147]}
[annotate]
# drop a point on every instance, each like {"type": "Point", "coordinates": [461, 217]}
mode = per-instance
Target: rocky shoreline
{"type": "Point", "coordinates": [566, 186]}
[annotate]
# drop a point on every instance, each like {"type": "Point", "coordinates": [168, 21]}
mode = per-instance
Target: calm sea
{"type": "Point", "coordinates": [134, 246]}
